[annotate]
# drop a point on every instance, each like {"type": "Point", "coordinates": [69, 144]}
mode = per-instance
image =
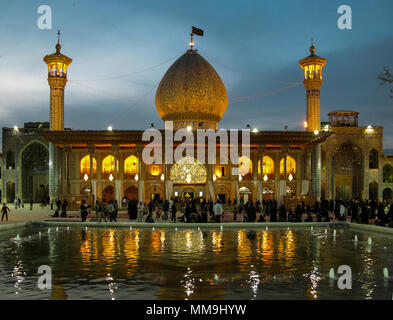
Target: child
{"type": "Point", "coordinates": [4, 211]}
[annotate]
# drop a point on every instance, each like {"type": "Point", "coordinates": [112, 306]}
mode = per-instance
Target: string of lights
{"type": "Point", "coordinates": [262, 95]}
{"type": "Point", "coordinates": [250, 74]}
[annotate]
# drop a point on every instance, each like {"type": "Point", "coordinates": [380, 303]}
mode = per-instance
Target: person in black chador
{"type": "Point", "coordinates": [64, 208]}
{"type": "Point", "coordinates": [187, 212]}
{"type": "Point", "coordinates": [251, 212]}
{"type": "Point", "coordinates": [83, 209]}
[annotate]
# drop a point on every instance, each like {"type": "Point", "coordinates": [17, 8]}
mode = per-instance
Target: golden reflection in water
{"type": "Point", "coordinates": [162, 239]}
{"type": "Point", "coordinates": [108, 248]}
{"type": "Point", "coordinates": [217, 241]}
{"type": "Point", "coordinates": [265, 247]}
{"type": "Point", "coordinates": [188, 240]}
{"type": "Point", "coordinates": [131, 250]}
{"type": "Point", "coordinates": [244, 250]}
{"type": "Point", "coordinates": [155, 243]}
{"type": "Point", "coordinates": [85, 249]}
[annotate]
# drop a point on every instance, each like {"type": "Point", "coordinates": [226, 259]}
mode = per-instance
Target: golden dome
{"type": "Point", "coordinates": [191, 93]}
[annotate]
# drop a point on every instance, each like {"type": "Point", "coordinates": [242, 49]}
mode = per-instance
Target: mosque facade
{"type": "Point", "coordinates": [338, 158]}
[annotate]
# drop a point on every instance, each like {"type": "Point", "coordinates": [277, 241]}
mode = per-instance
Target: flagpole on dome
{"type": "Point", "coordinates": [196, 31]}
{"type": "Point", "coordinates": [191, 41]}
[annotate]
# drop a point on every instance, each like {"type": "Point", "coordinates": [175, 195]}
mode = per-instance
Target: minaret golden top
{"type": "Point", "coordinates": [57, 62]}
{"type": "Point", "coordinates": [312, 64]}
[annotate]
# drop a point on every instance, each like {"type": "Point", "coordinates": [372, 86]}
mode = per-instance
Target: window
{"type": "Point", "coordinates": [131, 166]}
{"type": "Point", "coordinates": [10, 160]}
{"type": "Point", "coordinates": [268, 167]}
{"type": "Point", "coordinates": [108, 166]}
{"type": "Point", "coordinates": [373, 159]}
{"type": "Point", "coordinates": [291, 167]}
{"type": "Point", "coordinates": [85, 167]}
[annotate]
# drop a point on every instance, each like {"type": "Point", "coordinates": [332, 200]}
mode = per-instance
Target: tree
{"type": "Point", "coordinates": [386, 78]}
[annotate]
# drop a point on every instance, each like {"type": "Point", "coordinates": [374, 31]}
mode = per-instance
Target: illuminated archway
{"type": "Point", "coordinates": [268, 167]}
{"type": "Point", "coordinates": [130, 166]}
{"type": "Point", "coordinates": [188, 170]}
{"type": "Point", "coordinates": [291, 168]}
{"type": "Point", "coordinates": [108, 166]}
{"type": "Point", "coordinates": [85, 167]}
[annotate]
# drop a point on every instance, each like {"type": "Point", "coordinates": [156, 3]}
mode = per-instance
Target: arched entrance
{"type": "Point", "coordinates": [10, 191]}
{"type": "Point", "coordinates": [245, 194]}
{"type": "Point", "coordinates": [35, 172]}
{"type": "Point", "coordinates": [131, 193]}
{"type": "Point", "coordinates": [108, 194]}
{"type": "Point", "coordinates": [348, 171]}
{"type": "Point", "coordinates": [188, 171]}
{"type": "Point", "coordinates": [387, 194]}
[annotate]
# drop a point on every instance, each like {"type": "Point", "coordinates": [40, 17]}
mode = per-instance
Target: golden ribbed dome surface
{"type": "Point", "coordinates": [191, 90]}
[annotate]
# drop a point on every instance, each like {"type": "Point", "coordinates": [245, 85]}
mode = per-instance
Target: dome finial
{"type": "Point", "coordinates": [58, 46]}
{"type": "Point", "coordinates": [312, 48]}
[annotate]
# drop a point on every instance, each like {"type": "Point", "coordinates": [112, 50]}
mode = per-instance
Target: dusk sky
{"type": "Point", "coordinates": [121, 50]}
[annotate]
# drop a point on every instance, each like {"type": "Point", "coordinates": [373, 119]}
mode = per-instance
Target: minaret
{"type": "Point", "coordinates": [313, 66]}
{"type": "Point", "coordinates": [57, 79]}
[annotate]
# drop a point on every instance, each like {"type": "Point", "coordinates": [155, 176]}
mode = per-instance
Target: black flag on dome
{"type": "Point", "coordinates": [198, 32]}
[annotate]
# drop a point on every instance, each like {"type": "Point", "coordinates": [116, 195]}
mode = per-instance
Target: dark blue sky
{"type": "Point", "coordinates": [248, 42]}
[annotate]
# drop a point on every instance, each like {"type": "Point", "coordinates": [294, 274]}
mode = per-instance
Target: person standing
{"type": "Point", "coordinates": [235, 212]}
{"type": "Point", "coordinates": [4, 212]}
{"type": "Point", "coordinates": [217, 211]}
{"type": "Point", "coordinates": [111, 211]}
{"type": "Point", "coordinates": [173, 210]}
{"type": "Point", "coordinates": [116, 207]}
{"type": "Point", "coordinates": [165, 208]}
{"type": "Point", "coordinates": [204, 212]}
{"type": "Point", "coordinates": [141, 210]}
{"type": "Point", "coordinates": [64, 208]}
{"type": "Point", "coordinates": [31, 204]}
{"type": "Point", "coordinates": [99, 211]}
{"type": "Point", "coordinates": [83, 209]}
{"type": "Point", "coordinates": [16, 203]}
{"type": "Point", "coordinates": [251, 212]}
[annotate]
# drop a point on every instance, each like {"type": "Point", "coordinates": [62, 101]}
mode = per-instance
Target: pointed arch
{"type": "Point", "coordinates": [85, 167]}
{"type": "Point", "coordinates": [188, 170]}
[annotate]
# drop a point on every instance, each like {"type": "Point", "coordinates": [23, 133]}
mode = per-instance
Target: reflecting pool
{"type": "Point", "coordinates": [106, 263]}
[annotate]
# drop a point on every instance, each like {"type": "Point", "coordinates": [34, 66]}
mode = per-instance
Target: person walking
{"type": "Point", "coordinates": [16, 203]}
{"type": "Point", "coordinates": [31, 204]}
{"type": "Point", "coordinates": [4, 212]}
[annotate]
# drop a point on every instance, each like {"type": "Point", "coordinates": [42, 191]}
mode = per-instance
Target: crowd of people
{"type": "Point", "coordinates": [202, 211]}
